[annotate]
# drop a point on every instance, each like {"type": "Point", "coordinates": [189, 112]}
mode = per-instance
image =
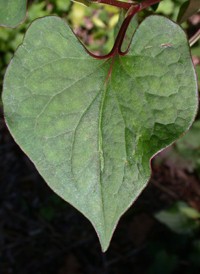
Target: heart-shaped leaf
{"type": "Point", "coordinates": [12, 12]}
{"type": "Point", "coordinates": [91, 126]}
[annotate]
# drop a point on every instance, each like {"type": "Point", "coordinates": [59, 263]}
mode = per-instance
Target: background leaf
{"type": "Point", "coordinates": [83, 2]}
{"type": "Point", "coordinates": [188, 9]}
{"type": "Point", "coordinates": [180, 218]}
{"type": "Point", "coordinates": [12, 12]}
{"type": "Point", "coordinates": [91, 136]}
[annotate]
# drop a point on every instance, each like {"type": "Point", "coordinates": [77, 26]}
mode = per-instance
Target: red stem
{"type": "Point", "coordinates": [147, 3]}
{"type": "Point", "coordinates": [120, 36]}
{"type": "Point", "coordinates": [132, 10]}
{"type": "Point", "coordinates": [119, 4]}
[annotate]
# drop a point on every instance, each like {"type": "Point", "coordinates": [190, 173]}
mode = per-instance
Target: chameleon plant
{"type": "Point", "coordinates": [91, 124]}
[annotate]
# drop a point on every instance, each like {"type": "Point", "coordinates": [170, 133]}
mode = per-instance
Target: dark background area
{"type": "Point", "coordinates": [42, 234]}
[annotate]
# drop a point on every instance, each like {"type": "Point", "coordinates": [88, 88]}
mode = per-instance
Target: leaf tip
{"type": "Point", "coordinates": [105, 243]}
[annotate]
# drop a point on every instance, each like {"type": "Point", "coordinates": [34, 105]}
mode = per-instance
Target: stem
{"type": "Point", "coordinates": [115, 3]}
{"type": "Point", "coordinates": [133, 9]}
{"type": "Point", "coordinates": [124, 27]}
{"type": "Point", "coordinates": [120, 36]}
{"type": "Point", "coordinates": [194, 38]}
{"type": "Point", "coordinates": [147, 3]}
{"type": "Point", "coordinates": [124, 5]}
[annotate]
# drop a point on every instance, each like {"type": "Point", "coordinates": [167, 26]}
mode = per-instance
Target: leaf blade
{"type": "Point", "coordinates": [91, 133]}
{"type": "Point", "coordinates": [12, 12]}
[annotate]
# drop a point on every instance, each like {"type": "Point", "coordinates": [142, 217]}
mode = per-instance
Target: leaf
{"type": "Point", "coordinates": [188, 9]}
{"type": "Point", "coordinates": [187, 149]}
{"type": "Point", "coordinates": [86, 3]}
{"type": "Point", "coordinates": [163, 261]}
{"type": "Point", "coordinates": [180, 218]}
{"type": "Point", "coordinates": [91, 126]}
{"type": "Point", "coordinates": [12, 12]}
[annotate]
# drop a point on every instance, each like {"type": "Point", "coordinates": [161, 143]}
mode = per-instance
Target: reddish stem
{"type": "Point", "coordinates": [120, 36]}
{"type": "Point", "coordinates": [147, 3]}
{"type": "Point", "coordinates": [132, 10]}
{"type": "Point", "coordinates": [119, 4]}
{"type": "Point", "coordinates": [124, 5]}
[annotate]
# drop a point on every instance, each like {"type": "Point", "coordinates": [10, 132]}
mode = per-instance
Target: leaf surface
{"type": "Point", "coordinates": [12, 12]}
{"type": "Point", "coordinates": [91, 126]}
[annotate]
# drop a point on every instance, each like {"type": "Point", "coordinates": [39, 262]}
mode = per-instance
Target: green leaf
{"type": "Point", "coordinates": [187, 149]}
{"type": "Point", "coordinates": [86, 3]}
{"type": "Point", "coordinates": [12, 12]}
{"type": "Point", "coordinates": [180, 218]}
{"type": "Point", "coordinates": [91, 126]}
{"type": "Point", "coordinates": [188, 9]}
{"type": "Point", "coordinates": [163, 262]}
